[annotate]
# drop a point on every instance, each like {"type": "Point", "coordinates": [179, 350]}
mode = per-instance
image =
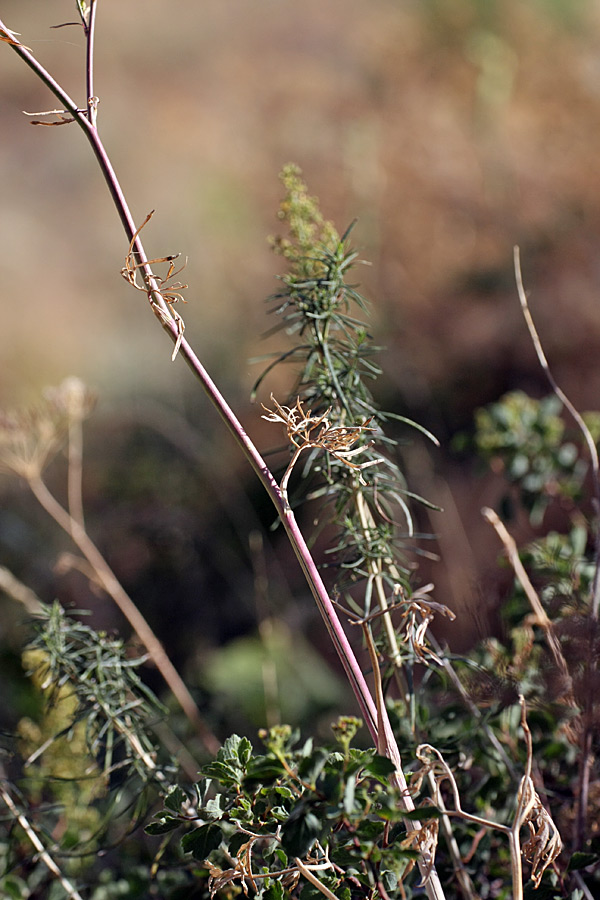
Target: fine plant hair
{"type": "Point", "coordinates": [332, 820]}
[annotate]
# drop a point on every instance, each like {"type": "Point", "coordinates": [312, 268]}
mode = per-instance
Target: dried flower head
{"type": "Point", "coordinates": [544, 843]}
{"type": "Point", "coordinates": [418, 612]}
{"type": "Point", "coordinates": [29, 438]}
{"type": "Point", "coordinates": [305, 431]}
{"type": "Point", "coordinates": [72, 398]}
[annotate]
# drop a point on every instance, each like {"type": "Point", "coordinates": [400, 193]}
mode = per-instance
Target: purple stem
{"type": "Point", "coordinates": [319, 591]}
{"type": "Point", "coordinates": [361, 690]}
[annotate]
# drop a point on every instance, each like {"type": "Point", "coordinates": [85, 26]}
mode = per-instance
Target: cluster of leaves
{"type": "Point", "coordinates": [295, 819]}
{"type": "Point", "coordinates": [525, 439]}
{"type": "Point", "coordinates": [84, 772]}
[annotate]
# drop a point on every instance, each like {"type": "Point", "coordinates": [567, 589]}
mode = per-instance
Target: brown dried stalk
{"type": "Point", "coordinates": [534, 601]}
{"type": "Point", "coordinates": [27, 442]}
{"type": "Point", "coordinates": [586, 755]}
{"type": "Point", "coordinates": [71, 892]}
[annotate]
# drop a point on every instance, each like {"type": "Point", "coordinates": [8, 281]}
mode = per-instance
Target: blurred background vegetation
{"type": "Point", "coordinates": [453, 129]}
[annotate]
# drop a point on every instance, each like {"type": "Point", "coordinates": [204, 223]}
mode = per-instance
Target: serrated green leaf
{"type": "Point", "coordinates": [202, 841]}
{"type": "Point", "coordinates": [235, 748]}
{"type": "Point", "coordinates": [174, 798]}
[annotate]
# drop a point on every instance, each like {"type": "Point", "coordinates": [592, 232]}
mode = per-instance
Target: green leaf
{"type": "Point", "coordinates": [163, 825]}
{"type": "Point", "coordinates": [300, 831]}
{"type": "Point", "coordinates": [275, 891]}
{"type": "Point", "coordinates": [311, 767]}
{"type": "Point", "coordinates": [349, 795]}
{"type": "Point", "coordinates": [212, 808]}
{"type": "Point", "coordinates": [581, 860]}
{"type": "Point", "coordinates": [237, 841]}
{"type": "Point", "coordinates": [389, 880]}
{"type": "Point", "coordinates": [174, 798]}
{"type": "Point", "coordinates": [423, 813]}
{"type": "Point", "coordinates": [263, 769]}
{"type": "Point", "coordinates": [235, 749]}
{"type": "Point", "coordinates": [202, 841]}
{"type": "Point", "coordinates": [380, 767]}
{"type": "Point", "coordinates": [15, 888]}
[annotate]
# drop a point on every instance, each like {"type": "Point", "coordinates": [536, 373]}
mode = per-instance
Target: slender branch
{"type": "Point", "coordinates": [306, 873]}
{"type": "Point", "coordinates": [90, 31]}
{"type": "Point", "coordinates": [460, 870]}
{"type": "Point", "coordinates": [593, 451]}
{"type": "Point", "coordinates": [113, 588]}
{"type": "Point", "coordinates": [585, 757]}
{"type": "Point", "coordinates": [534, 601]}
{"type": "Point", "coordinates": [71, 892]}
{"type": "Point", "coordinates": [75, 471]}
{"type": "Point", "coordinates": [19, 591]}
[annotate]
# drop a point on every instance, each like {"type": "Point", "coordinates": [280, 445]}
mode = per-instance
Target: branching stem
{"type": "Point", "coordinates": [168, 320]}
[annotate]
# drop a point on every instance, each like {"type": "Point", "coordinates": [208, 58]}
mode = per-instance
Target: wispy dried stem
{"type": "Point", "coordinates": [540, 613]}
{"type": "Point", "coordinates": [587, 436]}
{"type": "Point", "coordinates": [112, 586]}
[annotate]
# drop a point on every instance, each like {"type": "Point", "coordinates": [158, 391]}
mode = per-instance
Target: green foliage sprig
{"type": "Point", "coordinates": [105, 689]}
{"type": "Point", "coordinates": [526, 440]}
{"type": "Point", "coordinates": [334, 356]}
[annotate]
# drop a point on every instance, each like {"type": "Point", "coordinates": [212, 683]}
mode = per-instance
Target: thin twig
{"type": "Point", "coordinates": [111, 585]}
{"type": "Point", "coordinates": [585, 756]}
{"type": "Point", "coordinates": [75, 471]}
{"type": "Point", "coordinates": [593, 451]}
{"type": "Point", "coordinates": [71, 891]}
{"type": "Point", "coordinates": [310, 876]}
{"type": "Point", "coordinates": [534, 601]}
{"type": "Point", "coordinates": [19, 592]}
{"type": "Point", "coordinates": [90, 31]}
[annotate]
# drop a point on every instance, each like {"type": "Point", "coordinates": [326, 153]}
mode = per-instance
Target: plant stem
{"type": "Point", "coordinates": [71, 892]}
{"type": "Point", "coordinates": [587, 436]}
{"type": "Point", "coordinates": [75, 471]}
{"type": "Point", "coordinates": [534, 601]}
{"type": "Point", "coordinates": [110, 583]}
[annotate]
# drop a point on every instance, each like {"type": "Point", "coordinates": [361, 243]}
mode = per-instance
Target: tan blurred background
{"type": "Point", "coordinates": [453, 129]}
